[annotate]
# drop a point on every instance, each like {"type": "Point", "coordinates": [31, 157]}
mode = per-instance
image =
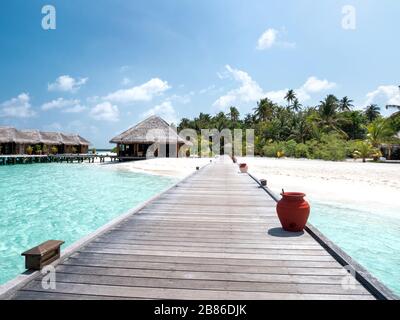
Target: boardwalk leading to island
{"type": "Point", "coordinates": [213, 236]}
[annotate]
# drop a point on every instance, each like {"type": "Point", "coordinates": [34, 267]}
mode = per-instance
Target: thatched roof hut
{"type": "Point", "coordinates": [17, 139]}
{"type": "Point", "coordinates": [134, 142]}
{"type": "Point", "coordinates": [12, 135]}
{"type": "Point", "coordinates": [151, 130]}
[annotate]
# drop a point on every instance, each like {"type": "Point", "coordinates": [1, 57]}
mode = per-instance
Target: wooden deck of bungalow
{"type": "Point", "coordinates": [215, 235]}
{"type": "Point", "coordinates": [68, 158]}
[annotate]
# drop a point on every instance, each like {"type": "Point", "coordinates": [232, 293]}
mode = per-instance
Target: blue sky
{"type": "Point", "coordinates": [109, 64]}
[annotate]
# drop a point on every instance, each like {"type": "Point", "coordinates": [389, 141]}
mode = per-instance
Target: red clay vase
{"type": "Point", "coordinates": [293, 211]}
{"type": "Point", "coordinates": [243, 167]}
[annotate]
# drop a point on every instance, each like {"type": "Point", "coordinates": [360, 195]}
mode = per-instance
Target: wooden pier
{"type": "Point", "coordinates": [214, 235]}
{"type": "Point", "coordinates": [67, 158]}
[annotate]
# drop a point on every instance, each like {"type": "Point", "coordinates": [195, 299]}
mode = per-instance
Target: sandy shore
{"type": "Point", "coordinates": [375, 186]}
{"type": "Point", "coordinates": [171, 167]}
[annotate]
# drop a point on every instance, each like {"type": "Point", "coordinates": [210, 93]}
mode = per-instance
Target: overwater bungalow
{"type": "Point", "coordinates": [13, 142]}
{"type": "Point", "coordinates": [135, 142]}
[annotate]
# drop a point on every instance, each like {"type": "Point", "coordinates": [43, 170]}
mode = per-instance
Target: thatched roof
{"type": "Point", "coordinates": [150, 130]}
{"type": "Point", "coordinates": [7, 134]}
{"type": "Point", "coordinates": [12, 135]}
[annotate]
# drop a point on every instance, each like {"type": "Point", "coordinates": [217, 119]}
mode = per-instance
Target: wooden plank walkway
{"type": "Point", "coordinates": [214, 236]}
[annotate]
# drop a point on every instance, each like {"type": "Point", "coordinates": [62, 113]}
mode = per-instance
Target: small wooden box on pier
{"type": "Point", "coordinates": [42, 255]}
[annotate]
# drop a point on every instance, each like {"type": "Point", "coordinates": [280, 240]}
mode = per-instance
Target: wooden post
{"type": "Point", "coordinates": [42, 255]}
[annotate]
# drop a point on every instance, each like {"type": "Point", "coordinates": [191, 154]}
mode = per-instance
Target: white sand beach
{"type": "Point", "coordinates": [375, 186]}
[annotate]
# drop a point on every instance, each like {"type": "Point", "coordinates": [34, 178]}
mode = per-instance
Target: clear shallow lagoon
{"type": "Point", "coordinates": [63, 201]}
{"type": "Point", "coordinates": [371, 238]}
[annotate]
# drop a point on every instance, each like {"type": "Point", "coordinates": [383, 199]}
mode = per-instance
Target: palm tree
{"type": "Point", "coordinates": [290, 97]}
{"type": "Point", "coordinates": [372, 112]}
{"type": "Point", "coordinates": [220, 121]}
{"type": "Point", "coordinates": [249, 120]}
{"type": "Point", "coordinates": [264, 110]}
{"type": "Point", "coordinates": [233, 114]}
{"type": "Point", "coordinates": [379, 131]}
{"type": "Point", "coordinates": [185, 124]}
{"type": "Point", "coordinates": [345, 104]}
{"type": "Point", "coordinates": [202, 122]}
{"type": "Point", "coordinates": [301, 128]}
{"type": "Point", "coordinates": [364, 150]}
{"type": "Point", "coordinates": [296, 106]}
{"type": "Point", "coordinates": [327, 116]}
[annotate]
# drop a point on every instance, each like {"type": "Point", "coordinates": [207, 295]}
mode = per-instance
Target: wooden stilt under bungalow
{"type": "Point", "coordinates": [215, 235]}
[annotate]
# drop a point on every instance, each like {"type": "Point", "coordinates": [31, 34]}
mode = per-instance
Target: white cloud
{"type": "Point", "coordinates": [144, 92]}
{"type": "Point", "coordinates": [67, 84]}
{"type": "Point", "coordinates": [267, 39]}
{"type": "Point", "coordinates": [208, 89]}
{"type": "Point", "coordinates": [313, 85]}
{"type": "Point", "coordinates": [390, 95]}
{"type": "Point", "coordinates": [270, 38]}
{"type": "Point", "coordinates": [19, 107]}
{"type": "Point", "coordinates": [59, 104]}
{"type": "Point", "coordinates": [250, 91]}
{"type": "Point", "coordinates": [67, 106]}
{"type": "Point", "coordinates": [165, 110]}
{"type": "Point", "coordinates": [183, 99]}
{"type": "Point", "coordinates": [75, 109]}
{"type": "Point", "coordinates": [105, 111]}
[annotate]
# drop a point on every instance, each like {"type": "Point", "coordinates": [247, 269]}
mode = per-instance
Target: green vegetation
{"type": "Point", "coordinates": [45, 149]}
{"type": "Point", "coordinates": [54, 150]}
{"type": "Point", "coordinates": [332, 130]}
{"type": "Point", "coordinates": [38, 149]}
{"type": "Point", "coordinates": [29, 150]}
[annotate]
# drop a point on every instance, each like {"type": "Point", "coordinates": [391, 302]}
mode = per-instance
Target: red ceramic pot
{"type": "Point", "coordinates": [243, 167]}
{"type": "Point", "coordinates": [293, 211]}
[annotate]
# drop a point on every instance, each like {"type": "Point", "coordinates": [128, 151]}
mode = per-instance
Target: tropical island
{"type": "Point", "coordinates": [332, 130]}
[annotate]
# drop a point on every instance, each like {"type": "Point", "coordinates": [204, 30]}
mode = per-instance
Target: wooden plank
{"type": "Point", "coordinates": [191, 244]}
{"type": "Point", "coordinates": [112, 263]}
{"type": "Point", "coordinates": [210, 254]}
{"type": "Point", "coordinates": [230, 237]}
{"type": "Point", "coordinates": [40, 295]}
{"type": "Point", "coordinates": [202, 275]}
{"type": "Point", "coordinates": [208, 249]}
{"type": "Point", "coordinates": [205, 284]}
{"type": "Point", "coordinates": [210, 261]}
{"type": "Point", "coordinates": [185, 294]}
{"type": "Point", "coordinates": [140, 236]}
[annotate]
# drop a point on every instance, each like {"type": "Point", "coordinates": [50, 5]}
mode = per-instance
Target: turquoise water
{"type": "Point", "coordinates": [371, 238]}
{"type": "Point", "coordinates": [62, 201]}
